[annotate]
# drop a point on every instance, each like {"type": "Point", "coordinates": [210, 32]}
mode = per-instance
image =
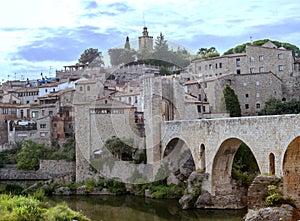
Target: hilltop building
{"type": "Point", "coordinates": [146, 41]}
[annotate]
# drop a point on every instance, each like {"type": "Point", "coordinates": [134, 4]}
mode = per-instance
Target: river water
{"type": "Point", "coordinates": [132, 208]}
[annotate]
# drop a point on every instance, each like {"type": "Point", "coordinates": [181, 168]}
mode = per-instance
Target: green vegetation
{"type": "Point", "coordinates": [10, 156]}
{"type": "Point", "coordinates": [231, 101]}
{"type": "Point", "coordinates": [159, 189]}
{"type": "Point", "coordinates": [244, 168]}
{"type": "Point", "coordinates": [208, 52]}
{"type": "Point", "coordinates": [31, 152]}
{"type": "Point", "coordinates": [29, 208]}
{"type": "Point", "coordinates": [161, 55]}
{"type": "Point", "coordinates": [242, 48]}
{"type": "Point", "coordinates": [89, 55]}
{"type": "Point", "coordinates": [274, 106]}
{"type": "Point", "coordinates": [121, 148]}
{"type": "Point", "coordinates": [275, 197]}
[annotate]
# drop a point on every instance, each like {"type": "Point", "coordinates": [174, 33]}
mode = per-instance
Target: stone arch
{"type": "Point", "coordinates": [178, 156]}
{"type": "Point", "coordinates": [271, 164]}
{"type": "Point", "coordinates": [202, 158]}
{"type": "Point", "coordinates": [222, 166]}
{"type": "Point", "coordinates": [291, 171]}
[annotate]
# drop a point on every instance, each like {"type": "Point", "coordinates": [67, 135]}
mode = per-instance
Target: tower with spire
{"type": "Point", "coordinates": [146, 41]}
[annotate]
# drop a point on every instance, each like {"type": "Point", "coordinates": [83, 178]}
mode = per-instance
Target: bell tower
{"type": "Point", "coordinates": [146, 41]}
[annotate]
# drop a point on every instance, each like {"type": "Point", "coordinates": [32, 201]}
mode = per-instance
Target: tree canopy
{"type": "Point", "coordinates": [208, 52]}
{"type": "Point", "coordinates": [242, 47]}
{"type": "Point", "coordinates": [89, 55]}
{"type": "Point", "coordinates": [277, 107]}
{"type": "Point", "coordinates": [231, 101]}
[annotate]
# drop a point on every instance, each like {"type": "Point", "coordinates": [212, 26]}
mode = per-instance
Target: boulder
{"type": "Point", "coordinates": [285, 212]}
{"type": "Point", "coordinates": [187, 201]}
{"type": "Point", "coordinates": [81, 190]}
{"type": "Point", "coordinates": [62, 191]}
{"type": "Point", "coordinates": [172, 179]}
{"type": "Point", "coordinates": [204, 200]}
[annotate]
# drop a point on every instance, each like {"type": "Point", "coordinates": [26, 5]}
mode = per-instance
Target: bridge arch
{"type": "Point", "coordinates": [180, 155]}
{"type": "Point", "coordinates": [222, 166]}
{"type": "Point", "coordinates": [291, 170]}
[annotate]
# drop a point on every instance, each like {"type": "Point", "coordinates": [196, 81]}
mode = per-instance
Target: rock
{"type": "Point", "coordinates": [81, 190]}
{"type": "Point", "coordinates": [204, 200]}
{"type": "Point", "coordinates": [172, 179]}
{"type": "Point", "coordinates": [148, 193]}
{"type": "Point", "coordinates": [195, 181]}
{"type": "Point", "coordinates": [285, 212]}
{"type": "Point", "coordinates": [63, 191]}
{"type": "Point", "coordinates": [186, 201]}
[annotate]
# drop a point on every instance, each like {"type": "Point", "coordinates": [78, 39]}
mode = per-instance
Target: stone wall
{"type": "Point", "coordinates": [258, 191]}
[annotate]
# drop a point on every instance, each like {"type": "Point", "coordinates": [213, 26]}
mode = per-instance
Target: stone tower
{"type": "Point", "coordinates": [146, 41]}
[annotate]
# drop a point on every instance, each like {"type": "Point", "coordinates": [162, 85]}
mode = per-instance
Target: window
{"type": "Point", "coordinates": [238, 71]}
{"type": "Point", "coordinates": [46, 90]}
{"type": "Point", "coordinates": [238, 62]}
{"type": "Point", "coordinates": [80, 88]}
{"type": "Point", "coordinates": [257, 83]}
{"type": "Point", "coordinates": [280, 68]}
{"type": "Point", "coordinates": [199, 68]}
{"type": "Point", "coordinates": [247, 106]}
{"type": "Point", "coordinates": [54, 125]}
{"type": "Point", "coordinates": [43, 125]}
{"type": "Point", "coordinates": [43, 134]}
{"type": "Point", "coordinates": [252, 70]}
{"type": "Point", "coordinates": [220, 65]}
{"type": "Point", "coordinates": [88, 88]}
{"type": "Point", "coordinates": [251, 59]}
{"type": "Point", "coordinates": [210, 67]}
{"type": "Point", "coordinates": [261, 69]}
{"type": "Point", "coordinates": [244, 84]}
{"type": "Point", "coordinates": [246, 95]}
{"type": "Point", "coordinates": [280, 56]}
{"type": "Point", "coordinates": [257, 95]}
{"type": "Point", "coordinates": [216, 66]}
{"type": "Point", "coordinates": [13, 111]}
{"type": "Point", "coordinates": [203, 109]}
{"type": "Point", "coordinates": [205, 67]}
{"type": "Point", "coordinates": [258, 106]}
{"type": "Point", "coordinates": [261, 58]}
{"type": "Point", "coordinates": [34, 114]}
{"type": "Point", "coordinates": [4, 110]}
{"type": "Point", "coordinates": [199, 108]}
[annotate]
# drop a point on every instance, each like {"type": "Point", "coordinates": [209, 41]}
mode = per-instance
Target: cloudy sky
{"type": "Point", "coordinates": [44, 35]}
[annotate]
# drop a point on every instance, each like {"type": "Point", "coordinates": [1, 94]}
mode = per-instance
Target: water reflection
{"type": "Point", "coordinates": [130, 208]}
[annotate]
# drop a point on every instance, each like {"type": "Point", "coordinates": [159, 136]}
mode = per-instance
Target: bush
{"type": "Point", "coordinates": [30, 209]}
{"type": "Point", "coordinates": [13, 188]}
{"type": "Point", "coordinates": [275, 198]}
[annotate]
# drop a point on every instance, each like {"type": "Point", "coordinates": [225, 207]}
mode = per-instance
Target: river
{"type": "Point", "coordinates": [132, 208]}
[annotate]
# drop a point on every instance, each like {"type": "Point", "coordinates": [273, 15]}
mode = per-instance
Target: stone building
{"type": "Point", "coordinates": [146, 41]}
{"type": "Point", "coordinates": [256, 59]}
{"type": "Point", "coordinates": [253, 90]}
{"type": "Point", "coordinates": [7, 113]}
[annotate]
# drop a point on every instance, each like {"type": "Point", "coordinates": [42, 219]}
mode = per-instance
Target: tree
{"type": "Point", "coordinates": [89, 55]}
{"type": "Point", "coordinates": [208, 52]}
{"type": "Point", "coordinates": [31, 152]}
{"type": "Point", "coordinates": [120, 148]}
{"type": "Point", "coordinates": [231, 101]}
{"type": "Point", "coordinates": [242, 47]}
{"type": "Point", "coordinates": [277, 107]}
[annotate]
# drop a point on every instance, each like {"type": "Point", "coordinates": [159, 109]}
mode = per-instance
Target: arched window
{"type": "Point", "coordinates": [202, 158]}
{"type": "Point", "coordinates": [272, 164]}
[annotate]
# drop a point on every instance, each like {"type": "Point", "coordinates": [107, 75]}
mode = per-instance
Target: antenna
{"type": "Point", "coordinates": [144, 19]}
{"type": "Point", "coordinates": [251, 40]}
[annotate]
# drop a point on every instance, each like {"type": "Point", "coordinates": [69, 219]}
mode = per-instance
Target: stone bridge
{"type": "Point", "coordinates": [273, 140]}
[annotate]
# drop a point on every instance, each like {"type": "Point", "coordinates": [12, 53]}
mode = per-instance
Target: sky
{"type": "Point", "coordinates": [45, 35]}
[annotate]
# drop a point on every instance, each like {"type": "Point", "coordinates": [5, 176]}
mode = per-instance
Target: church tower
{"type": "Point", "coordinates": [146, 41]}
